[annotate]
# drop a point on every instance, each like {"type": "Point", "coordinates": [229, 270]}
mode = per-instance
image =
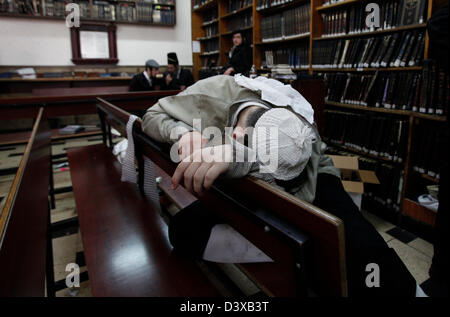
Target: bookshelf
{"type": "Point", "coordinates": [138, 12]}
{"type": "Point", "coordinates": [313, 34]}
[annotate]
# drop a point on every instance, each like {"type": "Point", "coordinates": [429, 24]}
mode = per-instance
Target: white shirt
{"type": "Point", "coordinates": [148, 78]}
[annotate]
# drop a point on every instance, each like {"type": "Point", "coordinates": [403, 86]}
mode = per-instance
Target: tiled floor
{"type": "Point", "coordinates": [414, 252]}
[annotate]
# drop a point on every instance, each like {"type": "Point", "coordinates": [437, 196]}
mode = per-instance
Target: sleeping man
{"type": "Point", "coordinates": [236, 126]}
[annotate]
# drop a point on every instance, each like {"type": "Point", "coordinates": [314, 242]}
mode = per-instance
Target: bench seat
{"type": "Point", "coordinates": [125, 241]}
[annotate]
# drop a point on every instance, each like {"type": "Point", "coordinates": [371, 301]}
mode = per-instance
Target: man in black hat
{"type": "Point", "coordinates": [176, 78]}
{"type": "Point", "coordinates": [148, 79]}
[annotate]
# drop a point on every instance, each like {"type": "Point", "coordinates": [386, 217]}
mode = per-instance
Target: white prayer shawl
{"type": "Point", "coordinates": [129, 169]}
{"type": "Point", "coordinates": [278, 94]}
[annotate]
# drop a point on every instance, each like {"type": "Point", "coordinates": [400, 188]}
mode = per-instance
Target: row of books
{"type": "Point", "coordinates": [149, 13]}
{"type": "Point", "coordinates": [211, 46]}
{"type": "Point", "coordinates": [394, 50]}
{"type": "Point", "coordinates": [234, 5]}
{"type": "Point", "coordinates": [210, 15]}
{"type": "Point", "coordinates": [28, 7]}
{"type": "Point", "coordinates": [426, 92]}
{"type": "Point", "coordinates": [430, 141]}
{"type": "Point", "coordinates": [55, 8]}
{"type": "Point", "coordinates": [289, 23]}
{"type": "Point", "coordinates": [199, 3]}
{"type": "Point", "coordinates": [383, 137]}
{"type": "Point", "coordinates": [240, 22]}
{"type": "Point", "coordinates": [393, 14]}
{"type": "Point", "coordinates": [126, 12]}
{"type": "Point", "coordinates": [389, 192]}
{"type": "Point", "coordinates": [211, 30]}
{"type": "Point", "coordinates": [209, 62]}
{"type": "Point", "coordinates": [170, 2]}
{"type": "Point", "coordinates": [266, 4]}
{"type": "Point", "coordinates": [296, 57]}
{"type": "Point", "coordinates": [163, 15]}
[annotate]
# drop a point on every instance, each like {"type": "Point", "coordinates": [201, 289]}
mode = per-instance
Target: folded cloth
{"type": "Point", "coordinates": [278, 94]}
{"type": "Point", "coordinates": [129, 169]}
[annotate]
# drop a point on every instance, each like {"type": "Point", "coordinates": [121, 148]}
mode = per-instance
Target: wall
{"type": "Point", "coordinates": [47, 43]}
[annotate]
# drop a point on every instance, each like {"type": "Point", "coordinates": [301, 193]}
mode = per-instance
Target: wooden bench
{"type": "Point", "coordinates": [56, 106]}
{"type": "Point", "coordinates": [25, 240]}
{"type": "Point", "coordinates": [276, 222]}
{"type": "Point", "coordinates": [125, 240]}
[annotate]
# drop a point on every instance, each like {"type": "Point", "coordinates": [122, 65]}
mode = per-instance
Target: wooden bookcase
{"type": "Point", "coordinates": [408, 207]}
{"type": "Point", "coordinates": [40, 14]}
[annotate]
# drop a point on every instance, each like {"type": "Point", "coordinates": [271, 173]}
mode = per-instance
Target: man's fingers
{"type": "Point", "coordinates": [189, 175]}
{"type": "Point", "coordinates": [183, 166]}
{"type": "Point", "coordinates": [213, 172]}
{"type": "Point", "coordinates": [179, 172]}
{"type": "Point", "coordinates": [199, 177]}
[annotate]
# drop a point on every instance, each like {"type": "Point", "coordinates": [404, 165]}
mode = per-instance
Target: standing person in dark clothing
{"type": "Point", "coordinates": [239, 57]}
{"type": "Point", "coordinates": [147, 80]}
{"type": "Point", "coordinates": [176, 78]}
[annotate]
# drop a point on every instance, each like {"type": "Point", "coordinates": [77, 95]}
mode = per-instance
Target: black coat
{"type": "Point", "coordinates": [241, 60]}
{"type": "Point", "coordinates": [184, 79]}
{"type": "Point", "coordinates": [140, 83]}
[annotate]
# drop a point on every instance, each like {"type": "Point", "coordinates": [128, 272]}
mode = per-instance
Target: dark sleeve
{"type": "Point", "coordinates": [189, 79]}
{"type": "Point", "coordinates": [241, 61]}
{"type": "Point", "coordinates": [134, 85]}
{"type": "Point", "coordinates": [174, 85]}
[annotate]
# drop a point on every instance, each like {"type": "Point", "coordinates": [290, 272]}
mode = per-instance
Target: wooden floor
{"type": "Point", "coordinates": [415, 252]}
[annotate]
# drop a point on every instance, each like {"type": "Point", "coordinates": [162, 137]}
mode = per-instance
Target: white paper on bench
{"type": "Point", "coordinates": [226, 245]}
{"type": "Point", "coordinates": [129, 169]}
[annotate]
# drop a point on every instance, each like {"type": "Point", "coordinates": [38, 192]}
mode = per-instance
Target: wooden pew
{"type": "Point", "coordinates": [80, 91]}
{"type": "Point", "coordinates": [25, 240]}
{"type": "Point", "coordinates": [23, 137]}
{"type": "Point", "coordinates": [273, 220]}
{"type": "Point", "coordinates": [125, 240]}
{"type": "Point", "coordinates": [55, 106]}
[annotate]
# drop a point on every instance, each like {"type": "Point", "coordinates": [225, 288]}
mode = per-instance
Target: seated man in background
{"type": "Point", "coordinates": [176, 78]}
{"type": "Point", "coordinates": [302, 169]}
{"type": "Point", "coordinates": [147, 80]}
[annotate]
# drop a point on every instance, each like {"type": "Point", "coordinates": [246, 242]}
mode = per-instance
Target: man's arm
{"type": "Point", "coordinates": [134, 85]}
{"type": "Point", "coordinates": [159, 125]}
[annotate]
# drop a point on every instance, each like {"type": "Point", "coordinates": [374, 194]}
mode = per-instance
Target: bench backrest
{"type": "Point", "coordinates": [55, 106]}
{"type": "Point", "coordinates": [273, 220]}
{"type": "Point", "coordinates": [24, 219]}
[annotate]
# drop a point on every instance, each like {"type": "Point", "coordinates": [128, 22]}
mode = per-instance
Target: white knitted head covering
{"type": "Point", "coordinates": [294, 141]}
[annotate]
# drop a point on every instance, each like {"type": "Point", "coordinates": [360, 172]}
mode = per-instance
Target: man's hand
{"type": "Point", "coordinates": [229, 71]}
{"type": "Point", "coordinates": [168, 79]}
{"type": "Point", "coordinates": [202, 168]}
{"type": "Point", "coordinates": [189, 143]}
